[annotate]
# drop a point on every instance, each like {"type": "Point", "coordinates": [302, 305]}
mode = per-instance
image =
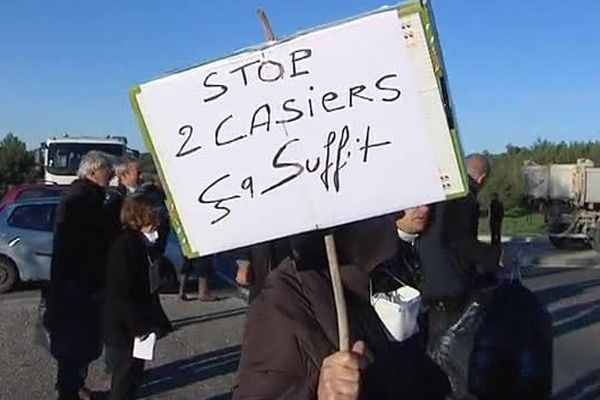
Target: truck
{"type": "Point", "coordinates": [569, 196]}
{"type": "Point", "coordinates": [59, 157]}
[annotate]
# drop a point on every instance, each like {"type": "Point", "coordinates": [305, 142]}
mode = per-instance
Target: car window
{"type": "Point", "coordinates": [39, 217]}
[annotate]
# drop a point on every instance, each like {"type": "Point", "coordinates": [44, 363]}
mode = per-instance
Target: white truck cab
{"type": "Point", "coordinates": [60, 156]}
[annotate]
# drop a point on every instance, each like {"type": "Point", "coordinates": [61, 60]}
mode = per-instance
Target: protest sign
{"type": "Point", "coordinates": [334, 125]}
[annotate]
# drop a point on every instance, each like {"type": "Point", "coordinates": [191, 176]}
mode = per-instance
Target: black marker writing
{"type": "Point", "coordinates": [187, 131]}
{"type": "Point", "coordinates": [223, 88]}
{"type": "Point", "coordinates": [277, 164]}
{"type": "Point", "coordinates": [368, 145]}
{"type": "Point", "coordinates": [218, 203]}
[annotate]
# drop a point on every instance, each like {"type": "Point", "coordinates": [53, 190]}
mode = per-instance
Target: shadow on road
{"type": "Point", "coordinates": [180, 323]}
{"type": "Point", "coordinates": [572, 318]}
{"type": "Point", "coordinates": [586, 388]}
{"type": "Point", "coordinates": [555, 293]}
{"type": "Point", "coordinates": [184, 372]}
{"type": "Point", "coordinates": [538, 272]}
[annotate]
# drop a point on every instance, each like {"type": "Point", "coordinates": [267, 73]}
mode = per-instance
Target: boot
{"type": "Point", "coordinates": [204, 291]}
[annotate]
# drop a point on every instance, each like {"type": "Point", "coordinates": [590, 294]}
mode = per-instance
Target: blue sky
{"type": "Point", "coordinates": [518, 70]}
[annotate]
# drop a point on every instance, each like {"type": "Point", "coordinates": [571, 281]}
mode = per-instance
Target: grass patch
{"type": "Point", "coordinates": [522, 225]}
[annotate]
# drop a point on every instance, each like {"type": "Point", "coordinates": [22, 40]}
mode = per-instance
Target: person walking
{"type": "Point", "coordinates": [204, 267]}
{"type": "Point", "coordinates": [77, 275]}
{"type": "Point", "coordinates": [132, 305]}
{"type": "Point", "coordinates": [496, 215]}
{"type": "Point", "coordinates": [457, 270]}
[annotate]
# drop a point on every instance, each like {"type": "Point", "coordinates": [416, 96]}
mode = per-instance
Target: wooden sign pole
{"type": "Point", "coordinates": [338, 293]}
{"type": "Point", "coordinates": [334, 267]}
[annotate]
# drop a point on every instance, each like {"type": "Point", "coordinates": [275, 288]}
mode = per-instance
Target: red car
{"type": "Point", "coordinates": [31, 191]}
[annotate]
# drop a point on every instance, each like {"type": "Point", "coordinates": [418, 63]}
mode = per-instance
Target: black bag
{"type": "Point", "coordinates": [453, 348]}
{"type": "Point", "coordinates": [512, 351]}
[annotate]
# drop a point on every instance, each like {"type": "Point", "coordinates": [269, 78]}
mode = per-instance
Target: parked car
{"type": "Point", "coordinates": [26, 231]}
{"type": "Point", "coordinates": [31, 191]}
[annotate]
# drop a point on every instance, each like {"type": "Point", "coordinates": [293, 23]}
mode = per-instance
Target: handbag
{"type": "Point", "coordinates": [398, 310]}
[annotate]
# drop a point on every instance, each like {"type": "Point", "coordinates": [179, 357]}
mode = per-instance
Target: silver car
{"type": "Point", "coordinates": [26, 234]}
{"type": "Point", "coordinates": [26, 231]}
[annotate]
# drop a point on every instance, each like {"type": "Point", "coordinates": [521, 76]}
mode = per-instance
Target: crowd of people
{"type": "Point", "coordinates": [102, 293]}
{"type": "Point", "coordinates": [461, 335]}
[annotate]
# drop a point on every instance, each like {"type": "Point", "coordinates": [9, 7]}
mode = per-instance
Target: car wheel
{"type": "Point", "coordinates": [9, 275]}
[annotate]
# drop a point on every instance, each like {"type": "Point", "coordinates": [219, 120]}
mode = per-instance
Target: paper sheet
{"type": "Point", "coordinates": [144, 349]}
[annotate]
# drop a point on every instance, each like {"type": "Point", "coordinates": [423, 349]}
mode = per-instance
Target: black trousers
{"type": "Point", "coordinates": [127, 372]}
{"type": "Point", "coordinates": [71, 375]}
{"type": "Point", "coordinates": [496, 231]}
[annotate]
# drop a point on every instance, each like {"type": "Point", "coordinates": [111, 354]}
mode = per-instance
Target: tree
{"type": "Point", "coordinates": [16, 163]}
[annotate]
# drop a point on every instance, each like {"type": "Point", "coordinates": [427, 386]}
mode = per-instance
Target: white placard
{"type": "Point", "coordinates": [316, 131]}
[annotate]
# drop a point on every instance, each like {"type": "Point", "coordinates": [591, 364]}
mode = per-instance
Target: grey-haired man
{"type": "Point", "coordinates": [77, 275]}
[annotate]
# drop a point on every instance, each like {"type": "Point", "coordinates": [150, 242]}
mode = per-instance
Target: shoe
{"type": "Point", "coordinates": [68, 396]}
{"type": "Point", "coordinates": [85, 394]}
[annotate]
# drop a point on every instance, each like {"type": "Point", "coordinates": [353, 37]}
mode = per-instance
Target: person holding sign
{"type": "Point", "coordinates": [132, 308]}
{"type": "Point", "coordinates": [290, 342]}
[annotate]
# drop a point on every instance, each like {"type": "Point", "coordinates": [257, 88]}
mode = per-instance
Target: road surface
{"type": "Point", "coordinates": [199, 360]}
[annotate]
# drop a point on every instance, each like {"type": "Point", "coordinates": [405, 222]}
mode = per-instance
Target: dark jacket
{"type": "Point", "coordinates": [405, 266]}
{"type": "Point", "coordinates": [81, 239]}
{"type": "Point", "coordinates": [461, 225]}
{"type": "Point", "coordinates": [291, 329]}
{"type": "Point", "coordinates": [130, 308]}
{"type": "Point", "coordinates": [77, 272]}
{"type": "Point", "coordinates": [113, 205]}
{"type": "Point", "coordinates": [443, 277]}
{"type": "Point", "coordinates": [454, 261]}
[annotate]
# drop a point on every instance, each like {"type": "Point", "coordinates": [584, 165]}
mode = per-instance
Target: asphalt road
{"type": "Point", "coordinates": [199, 360]}
{"type": "Point", "coordinates": [568, 282]}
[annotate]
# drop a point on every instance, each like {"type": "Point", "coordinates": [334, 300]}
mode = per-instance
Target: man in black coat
{"type": "Point", "coordinates": [77, 275]}
{"type": "Point", "coordinates": [461, 224]}
{"type": "Point", "coordinates": [455, 266]}
{"type": "Point", "coordinates": [454, 262]}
